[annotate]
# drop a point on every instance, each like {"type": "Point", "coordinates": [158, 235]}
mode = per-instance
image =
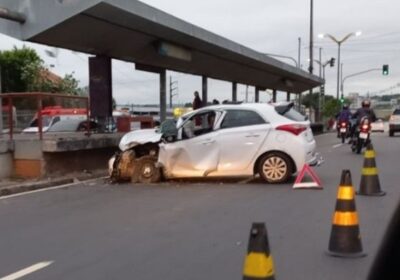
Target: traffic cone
{"type": "Point", "coordinates": [258, 263]}
{"type": "Point", "coordinates": [345, 240]}
{"type": "Point", "coordinates": [369, 184]}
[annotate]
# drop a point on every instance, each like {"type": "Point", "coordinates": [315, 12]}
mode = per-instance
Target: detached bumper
{"type": "Point", "coordinates": [317, 160]}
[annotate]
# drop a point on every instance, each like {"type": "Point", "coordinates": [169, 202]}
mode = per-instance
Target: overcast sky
{"type": "Point", "coordinates": [267, 26]}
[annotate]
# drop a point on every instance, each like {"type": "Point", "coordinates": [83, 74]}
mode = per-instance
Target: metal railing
{"type": "Point", "coordinates": [9, 98]}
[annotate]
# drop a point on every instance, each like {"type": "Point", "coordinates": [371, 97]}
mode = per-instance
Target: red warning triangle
{"type": "Point", "coordinates": [307, 170]}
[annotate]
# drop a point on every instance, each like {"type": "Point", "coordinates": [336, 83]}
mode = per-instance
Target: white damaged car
{"type": "Point", "coordinates": [235, 140]}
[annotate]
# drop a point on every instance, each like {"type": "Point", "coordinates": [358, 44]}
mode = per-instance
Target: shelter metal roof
{"type": "Point", "coordinates": [132, 31]}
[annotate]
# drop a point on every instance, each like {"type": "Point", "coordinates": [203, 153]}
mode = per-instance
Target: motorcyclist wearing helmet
{"type": "Point", "coordinates": [365, 111]}
{"type": "Point", "coordinates": [343, 116]}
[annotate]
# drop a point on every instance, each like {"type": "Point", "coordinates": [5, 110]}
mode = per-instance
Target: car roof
{"type": "Point", "coordinates": [260, 107]}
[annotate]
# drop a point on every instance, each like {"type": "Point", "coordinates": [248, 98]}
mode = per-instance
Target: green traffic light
{"type": "Point", "coordinates": [385, 70]}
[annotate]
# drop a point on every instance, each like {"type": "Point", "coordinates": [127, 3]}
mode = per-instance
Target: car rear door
{"type": "Point", "coordinates": [240, 136]}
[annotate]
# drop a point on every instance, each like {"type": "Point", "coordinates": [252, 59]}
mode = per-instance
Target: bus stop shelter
{"type": "Point", "coordinates": [155, 41]}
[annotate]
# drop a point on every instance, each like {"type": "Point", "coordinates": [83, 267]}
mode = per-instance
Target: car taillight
{"type": "Point", "coordinates": [365, 127]}
{"type": "Point", "coordinates": [295, 129]}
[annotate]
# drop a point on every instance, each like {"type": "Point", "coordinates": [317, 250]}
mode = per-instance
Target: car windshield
{"type": "Point", "coordinates": [46, 121]}
{"type": "Point", "coordinates": [65, 126]}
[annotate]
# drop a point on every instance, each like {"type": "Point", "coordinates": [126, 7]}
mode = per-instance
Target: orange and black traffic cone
{"type": "Point", "coordinates": [369, 184]}
{"type": "Point", "coordinates": [345, 240]}
{"type": "Point", "coordinates": [258, 263]}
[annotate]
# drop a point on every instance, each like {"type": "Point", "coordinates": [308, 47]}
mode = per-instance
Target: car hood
{"type": "Point", "coordinates": [139, 137]}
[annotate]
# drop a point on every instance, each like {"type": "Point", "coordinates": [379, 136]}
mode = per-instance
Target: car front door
{"type": "Point", "coordinates": [241, 134]}
{"type": "Point", "coordinates": [197, 153]}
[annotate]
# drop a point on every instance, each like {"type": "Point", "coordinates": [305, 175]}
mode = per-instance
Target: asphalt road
{"type": "Point", "coordinates": [192, 230]}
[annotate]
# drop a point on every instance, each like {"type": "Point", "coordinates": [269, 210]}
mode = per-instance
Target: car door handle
{"type": "Point", "coordinates": [208, 142]}
{"type": "Point", "coordinates": [252, 135]}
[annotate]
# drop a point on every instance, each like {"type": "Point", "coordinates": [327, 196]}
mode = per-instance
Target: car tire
{"type": "Point", "coordinates": [275, 168]}
{"type": "Point", "coordinates": [391, 133]}
{"type": "Point", "coordinates": [145, 170]}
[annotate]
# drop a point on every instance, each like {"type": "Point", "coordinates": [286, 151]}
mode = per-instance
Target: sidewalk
{"type": "Point", "coordinates": [13, 186]}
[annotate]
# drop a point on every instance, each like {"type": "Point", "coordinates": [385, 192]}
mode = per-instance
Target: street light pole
{"type": "Point", "coordinates": [338, 71]}
{"type": "Point", "coordinates": [339, 43]}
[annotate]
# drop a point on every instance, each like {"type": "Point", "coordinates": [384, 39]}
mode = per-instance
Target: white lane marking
{"type": "Point", "coordinates": [26, 271]}
{"type": "Point", "coordinates": [51, 188]}
{"type": "Point", "coordinates": [337, 145]}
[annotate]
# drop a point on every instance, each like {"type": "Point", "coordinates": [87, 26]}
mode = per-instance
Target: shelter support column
{"type": "Point", "coordinates": [257, 95]}
{"type": "Point", "coordinates": [163, 95]}
{"type": "Point", "coordinates": [234, 92]}
{"type": "Point", "coordinates": [274, 92]}
{"type": "Point", "coordinates": [204, 90]}
{"type": "Point", "coordinates": [100, 89]}
{"type": "Point", "coordinates": [1, 109]}
{"type": "Point", "coordinates": [288, 96]}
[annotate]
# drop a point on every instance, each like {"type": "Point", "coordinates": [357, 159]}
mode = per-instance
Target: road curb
{"type": "Point", "coordinates": [49, 183]}
{"type": "Point", "coordinates": [14, 189]}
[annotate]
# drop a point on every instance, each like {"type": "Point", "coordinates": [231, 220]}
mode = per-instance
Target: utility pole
{"type": "Point", "coordinates": [311, 42]}
{"type": "Point", "coordinates": [341, 78]}
{"type": "Point", "coordinates": [247, 93]}
{"type": "Point", "coordinates": [299, 55]}
{"type": "Point", "coordinates": [311, 38]}
{"type": "Point", "coordinates": [171, 90]}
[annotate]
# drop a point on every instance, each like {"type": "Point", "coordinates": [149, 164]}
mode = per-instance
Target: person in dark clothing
{"type": "Point", "coordinates": [365, 111]}
{"type": "Point", "coordinates": [197, 103]}
{"type": "Point", "coordinates": [345, 114]}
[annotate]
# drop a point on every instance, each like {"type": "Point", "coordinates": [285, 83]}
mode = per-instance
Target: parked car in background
{"type": "Point", "coordinates": [54, 114]}
{"type": "Point", "coordinates": [378, 126]}
{"type": "Point", "coordinates": [72, 125]}
{"type": "Point", "coordinates": [239, 140]}
{"type": "Point", "coordinates": [394, 122]}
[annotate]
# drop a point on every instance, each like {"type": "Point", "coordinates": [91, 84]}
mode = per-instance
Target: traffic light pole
{"type": "Point", "coordinates": [357, 74]}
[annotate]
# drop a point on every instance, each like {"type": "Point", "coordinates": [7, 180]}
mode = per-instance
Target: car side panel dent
{"type": "Point", "coordinates": [179, 161]}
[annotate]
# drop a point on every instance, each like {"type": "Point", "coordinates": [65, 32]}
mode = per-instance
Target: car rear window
{"type": "Point", "coordinates": [290, 113]}
{"type": "Point", "coordinates": [396, 112]}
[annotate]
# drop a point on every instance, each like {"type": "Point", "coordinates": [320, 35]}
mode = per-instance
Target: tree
{"type": "Point", "coordinates": [19, 69]}
{"type": "Point", "coordinates": [331, 107]}
{"type": "Point", "coordinates": [310, 100]}
{"type": "Point", "coordinates": [24, 71]}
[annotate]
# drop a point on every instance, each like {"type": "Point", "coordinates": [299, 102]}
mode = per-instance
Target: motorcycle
{"type": "Point", "coordinates": [343, 130]}
{"type": "Point", "coordinates": [362, 135]}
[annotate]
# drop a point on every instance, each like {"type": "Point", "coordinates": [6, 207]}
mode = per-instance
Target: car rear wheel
{"type": "Point", "coordinates": [275, 168]}
{"type": "Point", "coordinates": [391, 133]}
